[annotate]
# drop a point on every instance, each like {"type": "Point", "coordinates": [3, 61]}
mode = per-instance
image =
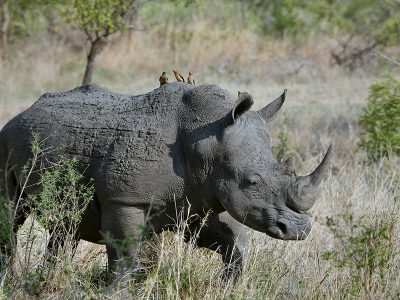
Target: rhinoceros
{"type": "Point", "coordinates": [153, 154]}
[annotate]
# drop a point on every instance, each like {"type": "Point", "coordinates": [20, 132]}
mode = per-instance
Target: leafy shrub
{"type": "Point", "coordinates": [364, 248]}
{"type": "Point", "coordinates": [380, 120]}
{"type": "Point", "coordinates": [280, 18]}
{"type": "Point", "coordinates": [58, 207]}
{"type": "Point", "coordinates": [8, 208]}
{"type": "Point", "coordinates": [63, 197]}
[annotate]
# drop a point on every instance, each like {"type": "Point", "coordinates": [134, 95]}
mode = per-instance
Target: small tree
{"type": "Point", "coordinates": [365, 247]}
{"type": "Point", "coordinates": [380, 131]}
{"type": "Point", "coordinates": [99, 19]}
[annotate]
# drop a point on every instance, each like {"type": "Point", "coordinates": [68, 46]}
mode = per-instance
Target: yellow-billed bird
{"type": "Point", "coordinates": [163, 78]}
{"type": "Point", "coordinates": [178, 76]}
{"type": "Point", "coordinates": [190, 79]}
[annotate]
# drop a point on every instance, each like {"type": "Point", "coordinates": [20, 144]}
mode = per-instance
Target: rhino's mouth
{"type": "Point", "coordinates": [275, 232]}
{"type": "Point", "coordinates": [289, 229]}
{"type": "Point", "coordinates": [282, 224]}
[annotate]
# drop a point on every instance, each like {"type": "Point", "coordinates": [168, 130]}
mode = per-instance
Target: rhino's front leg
{"type": "Point", "coordinates": [224, 234]}
{"type": "Point", "coordinates": [122, 228]}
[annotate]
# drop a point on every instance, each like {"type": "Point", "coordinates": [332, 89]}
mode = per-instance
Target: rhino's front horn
{"type": "Point", "coordinates": [318, 174]}
{"type": "Point", "coordinates": [307, 186]}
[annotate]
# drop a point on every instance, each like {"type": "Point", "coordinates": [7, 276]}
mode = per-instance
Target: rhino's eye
{"type": "Point", "coordinates": [253, 180]}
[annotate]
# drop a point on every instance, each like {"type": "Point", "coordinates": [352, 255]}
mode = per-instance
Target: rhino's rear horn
{"type": "Point", "coordinates": [268, 113]}
{"type": "Point", "coordinates": [289, 166]}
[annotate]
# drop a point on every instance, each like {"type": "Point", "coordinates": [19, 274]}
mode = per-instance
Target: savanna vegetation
{"type": "Point", "coordinates": [340, 62]}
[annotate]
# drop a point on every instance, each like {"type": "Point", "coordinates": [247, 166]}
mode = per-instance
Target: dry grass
{"type": "Point", "coordinates": [322, 108]}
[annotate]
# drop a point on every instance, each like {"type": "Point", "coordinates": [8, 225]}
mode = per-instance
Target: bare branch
{"type": "Point", "coordinates": [387, 58]}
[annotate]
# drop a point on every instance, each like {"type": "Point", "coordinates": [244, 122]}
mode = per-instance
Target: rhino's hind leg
{"type": "Point", "coordinates": [224, 234]}
{"type": "Point", "coordinates": [122, 229]}
{"type": "Point", "coordinates": [14, 209]}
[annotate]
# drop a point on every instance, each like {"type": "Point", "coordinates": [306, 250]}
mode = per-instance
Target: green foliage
{"type": "Point", "coordinates": [28, 18]}
{"type": "Point", "coordinates": [280, 18]}
{"type": "Point", "coordinates": [185, 2]}
{"type": "Point", "coordinates": [363, 248]}
{"type": "Point", "coordinates": [64, 194]}
{"type": "Point", "coordinates": [99, 18]}
{"type": "Point", "coordinates": [63, 197]}
{"type": "Point", "coordinates": [380, 135]}
{"type": "Point", "coordinates": [9, 207]}
{"type": "Point", "coordinates": [375, 20]}
{"type": "Point", "coordinates": [58, 207]}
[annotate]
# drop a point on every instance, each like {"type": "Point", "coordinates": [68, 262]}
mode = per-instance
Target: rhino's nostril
{"type": "Point", "coordinates": [282, 227]}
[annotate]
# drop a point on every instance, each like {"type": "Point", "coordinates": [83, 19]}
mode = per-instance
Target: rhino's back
{"type": "Point", "coordinates": [91, 107]}
{"type": "Point", "coordinates": [99, 126]}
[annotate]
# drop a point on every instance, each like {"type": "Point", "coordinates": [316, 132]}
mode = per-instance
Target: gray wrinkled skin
{"type": "Point", "coordinates": [152, 154]}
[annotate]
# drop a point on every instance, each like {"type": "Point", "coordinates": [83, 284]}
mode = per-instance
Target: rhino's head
{"type": "Point", "coordinates": [245, 178]}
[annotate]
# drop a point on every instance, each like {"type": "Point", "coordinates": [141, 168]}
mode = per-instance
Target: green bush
{"type": "Point", "coordinates": [63, 197]}
{"type": "Point", "coordinates": [380, 120]}
{"type": "Point", "coordinates": [363, 247]}
{"type": "Point", "coordinates": [58, 207]}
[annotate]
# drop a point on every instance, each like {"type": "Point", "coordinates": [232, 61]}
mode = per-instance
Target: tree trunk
{"type": "Point", "coordinates": [4, 27]}
{"type": "Point", "coordinates": [96, 47]}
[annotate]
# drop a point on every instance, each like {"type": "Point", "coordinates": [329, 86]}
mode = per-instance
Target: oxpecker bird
{"type": "Point", "coordinates": [163, 78]}
{"type": "Point", "coordinates": [190, 79]}
{"type": "Point", "coordinates": [178, 76]}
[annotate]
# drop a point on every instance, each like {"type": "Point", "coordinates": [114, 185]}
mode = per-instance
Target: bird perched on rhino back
{"type": "Point", "coordinates": [178, 76]}
{"type": "Point", "coordinates": [163, 78]}
{"type": "Point", "coordinates": [190, 79]}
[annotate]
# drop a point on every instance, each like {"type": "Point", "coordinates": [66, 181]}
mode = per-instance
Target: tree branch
{"type": "Point", "coordinates": [387, 58]}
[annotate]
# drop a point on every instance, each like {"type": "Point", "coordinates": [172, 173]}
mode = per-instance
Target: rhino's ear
{"type": "Point", "coordinates": [243, 104]}
{"type": "Point", "coordinates": [269, 112]}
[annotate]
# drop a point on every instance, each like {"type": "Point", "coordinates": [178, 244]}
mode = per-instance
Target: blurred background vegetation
{"type": "Point", "coordinates": [355, 29]}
